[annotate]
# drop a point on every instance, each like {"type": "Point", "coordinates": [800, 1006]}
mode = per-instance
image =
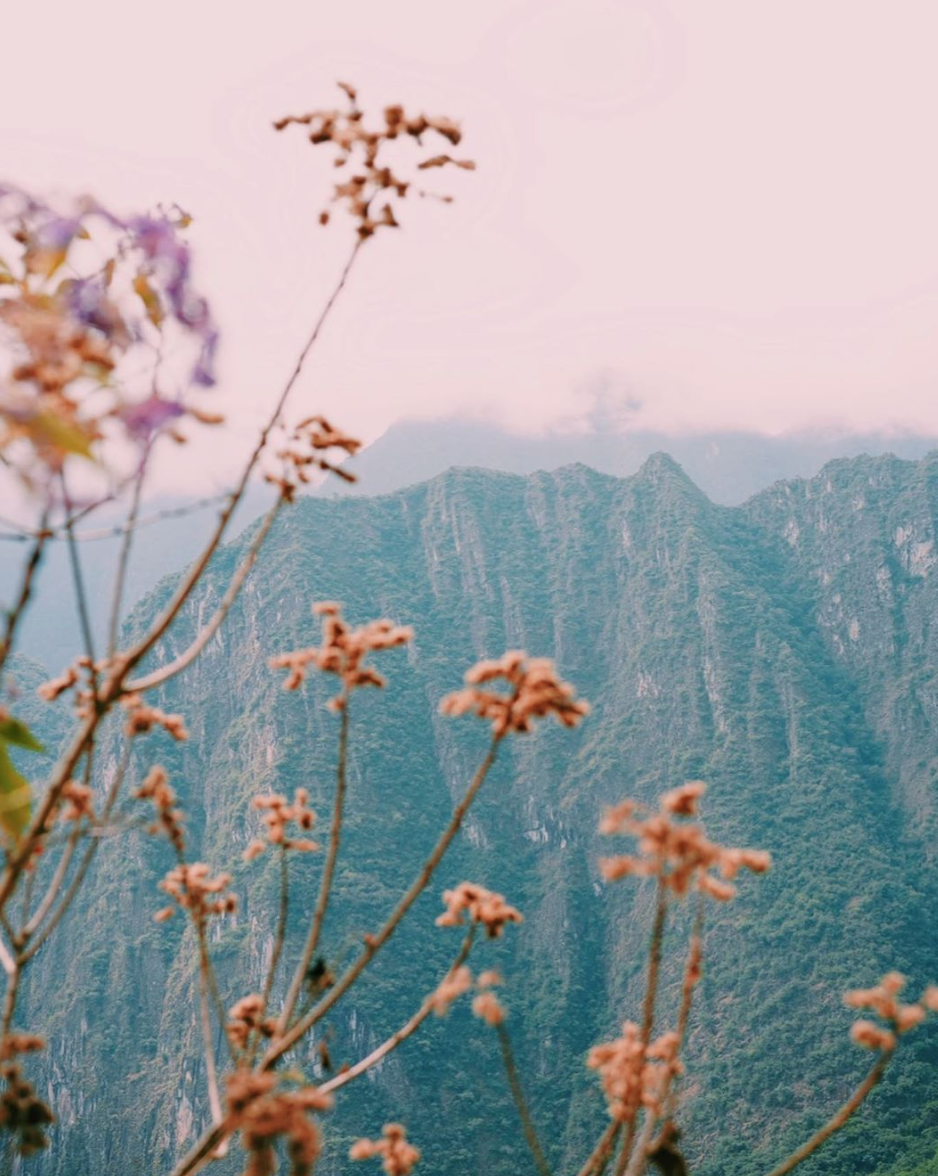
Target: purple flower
{"type": "Point", "coordinates": [204, 372]}
{"type": "Point", "coordinates": [150, 415]}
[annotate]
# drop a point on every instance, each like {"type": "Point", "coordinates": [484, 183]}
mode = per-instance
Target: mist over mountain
{"type": "Point", "coordinates": [784, 650]}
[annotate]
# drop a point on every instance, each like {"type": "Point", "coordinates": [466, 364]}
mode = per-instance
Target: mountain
{"type": "Point", "coordinates": [782, 649]}
{"type": "Point", "coordinates": [729, 466]}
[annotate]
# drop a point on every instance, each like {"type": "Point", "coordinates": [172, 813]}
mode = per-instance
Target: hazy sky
{"type": "Point", "coordinates": [726, 206]}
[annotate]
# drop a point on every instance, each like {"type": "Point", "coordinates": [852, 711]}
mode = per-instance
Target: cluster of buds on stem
{"type": "Point", "coordinates": [674, 850]}
{"type": "Point", "coordinates": [534, 692]}
{"type": "Point", "coordinates": [634, 1075]}
{"type": "Point", "coordinates": [22, 1112]}
{"type": "Point", "coordinates": [458, 982]}
{"type": "Point", "coordinates": [343, 652]}
{"type": "Point", "coordinates": [482, 906]}
{"type": "Point", "coordinates": [397, 1155]}
{"type": "Point", "coordinates": [247, 1017]}
{"type": "Point", "coordinates": [265, 1114]}
{"type": "Point", "coordinates": [196, 891]}
{"type": "Point", "coordinates": [278, 815]}
{"type": "Point", "coordinates": [142, 718]}
{"type": "Point", "coordinates": [156, 788]}
{"type": "Point", "coordinates": [883, 1000]}
{"type": "Point", "coordinates": [314, 444]}
{"type": "Point", "coordinates": [371, 190]}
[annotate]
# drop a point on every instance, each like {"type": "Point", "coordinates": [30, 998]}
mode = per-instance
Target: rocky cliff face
{"type": "Point", "coordinates": [783, 650]}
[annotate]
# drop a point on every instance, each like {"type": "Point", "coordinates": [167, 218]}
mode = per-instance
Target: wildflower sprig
{"type": "Point", "coordinates": [371, 189]}
{"type": "Point", "coordinates": [534, 692]}
{"type": "Point", "coordinates": [343, 652]}
{"type": "Point", "coordinates": [397, 1155]}
{"type": "Point", "coordinates": [69, 337]}
{"type": "Point", "coordinates": [674, 850]}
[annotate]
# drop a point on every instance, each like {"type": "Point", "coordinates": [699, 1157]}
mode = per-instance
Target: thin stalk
{"type": "Point", "coordinates": [214, 1100]}
{"type": "Point", "coordinates": [374, 943]}
{"type": "Point", "coordinates": [648, 1009]}
{"type": "Point", "coordinates": [406, 1030]}
{"type": "Point", "coordinates": [839, 1119]}
{"type": "Point", "coordinates": [599, 1157]}
{"type": "Point", "coordinates": [30, 569]}
{"type": "Point", "coordinates": [328, 873]}
{"type": "Point", "coordinates": [188, 656]}
{"type": "Point", "coordinates": [120, 578]}
{"type": "Point", "coordinates": [78, 582]}
{"type": "Point", "coordinates": [517, 1093]}
{"type": "Point", "coordinates": [279, 937]}
{"type": "Point", "coordinates": [83, 866]}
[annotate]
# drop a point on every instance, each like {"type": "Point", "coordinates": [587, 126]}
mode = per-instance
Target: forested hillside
{"type": "Point", "coordinates": [783, 650]}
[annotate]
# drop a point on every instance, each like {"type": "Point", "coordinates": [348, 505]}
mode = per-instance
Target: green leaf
{"type": "Point", "coordinates": [16, 798]}
{"type": "Point", "coordinates": [15, 732]}
{"type": "Point", "coordinates": [62, 434]}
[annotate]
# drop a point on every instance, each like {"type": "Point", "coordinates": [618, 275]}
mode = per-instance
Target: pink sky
{"type": "Point", "coordinates": [731, 204]}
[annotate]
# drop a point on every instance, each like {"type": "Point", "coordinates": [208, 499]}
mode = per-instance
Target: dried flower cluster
{"type": "Point", "coordinates": [884, 1001]}
{"type": "Point", "coordinates": [397, 1155]}
{"type": "Point", "coordinates": [142, 718]}
{"type": "Point", "coordinates": [78, 798]}
{"type": "Point", "coordinates": [69, 336]}
{"type": "Point", "coordinates": [196, 891]}
{"type": "Point", "coordinates": [456, 984]}
{"type": "Point", "coordinates": [482, 906]}
{"type": "Point", "coordinates": [675, 851]}
{"type": "Point", "coordinates": [264, 1115]}
{"type": "Point", "coordinates": [632, 1075]}
{"type": "Point", "coordinates": [156, 788]}
{"type": "Point", "coordinates": [22, 1111]}
{"type": "Point", "coordinates": [278, 815]}
{"type": "Point", "coordinates": [535, 691]}
{"type": "Point", "coordinates": [373, 183]}
{"type": "Point", "coordinates": [343, 652]}
{"type": "Point", "coordinates": [314, 444]}
{"type": "Point", "coordinates": [246, 1016]}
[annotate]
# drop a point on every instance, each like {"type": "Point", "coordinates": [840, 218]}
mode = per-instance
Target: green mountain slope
{"type": "Point", "coordinates": [758, 647]}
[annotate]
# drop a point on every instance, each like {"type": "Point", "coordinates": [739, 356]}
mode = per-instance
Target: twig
{"type": "Point", "coordinates": [839, 1119]}
{"type": "Point", "coordinates": [648, 1010]}
{"type": "Point", "coordinates": [164, 673]}
{"type": "Point", "coordinates": [374, 943]}
{"type": "Point", "coordinates": [405, 1031]}
{"type": "Point", "coordinates": [279, 937]}
{"type": "Point", "coordinates": [14, 615]}
{"type": "Point", "coordinates": [517, 1093]}
{"type": "Point", "coordinates": [599, 1157]}
{"type": "Point", "coordinates": [129, 530]}
{"type": "Point", "coordinates": [83, 865]}
{"type": "Point", "coordinates": [214, 1100]}
{"type": "Point", "coordinates": [328, 873]}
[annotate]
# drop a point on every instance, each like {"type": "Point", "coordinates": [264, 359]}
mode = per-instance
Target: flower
{"type": "Point", "coordinates": [354, 142]}
{"type": "Point", "coordinates": [398, 1156]}
{"type": "Point", "coordinates": [535, 691]}
{"type": "Point", "coordinates": [488, 1008]}
{"type": "Point", "coordinates": [263, 1114]}
{"type": "Point", "coordinates": [342, 652]}
{"type": "Point", "coordinates": [676, 852]}
{"type": "Point", "coordinates": [278, 815]}
{"type": "Point", "coordinates": [632, 1074]}
{"type": "Point", "coordinates": [196, 891]}
{"type": "Point", "coordinates": [883, 999]}
{"type": "Point", "coordinates": [481, 905]}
